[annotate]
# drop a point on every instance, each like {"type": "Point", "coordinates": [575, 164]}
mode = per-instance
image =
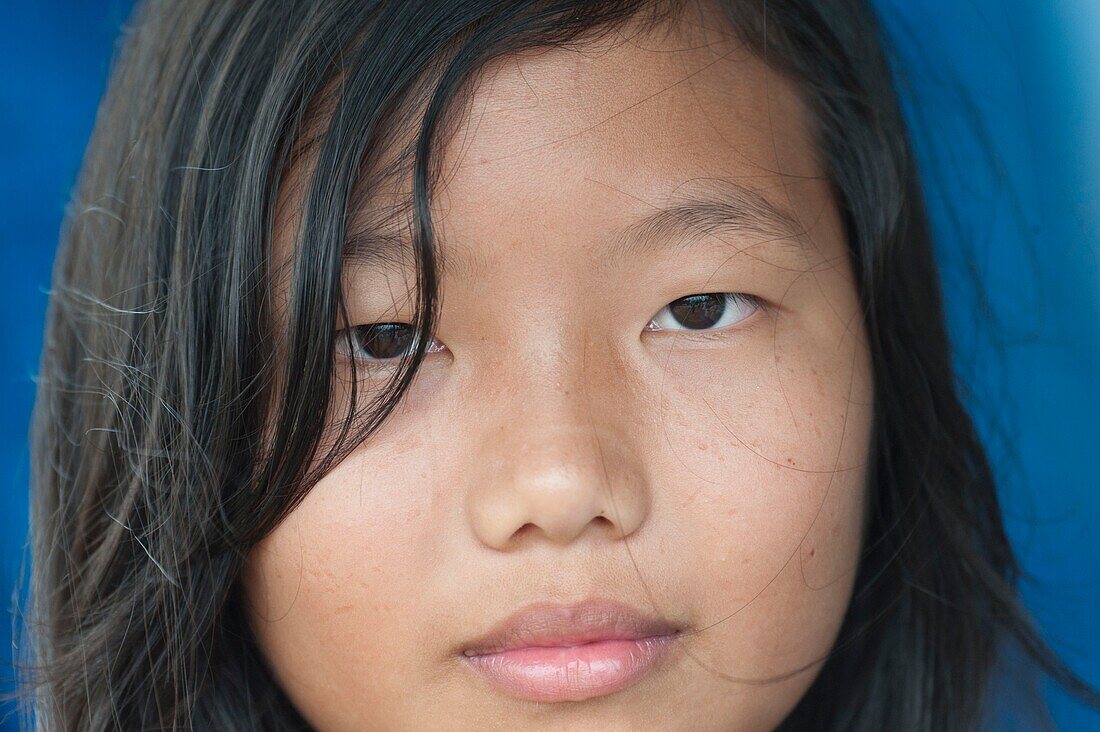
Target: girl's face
{"type": "Point", "coordinates": [650, 385]}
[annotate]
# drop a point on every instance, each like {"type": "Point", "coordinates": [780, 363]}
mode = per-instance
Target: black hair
{"type": "Point", "coordinates": [169, 436]}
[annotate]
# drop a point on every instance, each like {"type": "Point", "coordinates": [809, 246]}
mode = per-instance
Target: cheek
{"type": "Point", "coordinates": [336, 591]}
{"type": "Point", "coordinates": [764, 451]}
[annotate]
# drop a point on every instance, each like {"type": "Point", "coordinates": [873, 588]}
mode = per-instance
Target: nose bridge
{"type": "Point", "coordinates": [553, 459]}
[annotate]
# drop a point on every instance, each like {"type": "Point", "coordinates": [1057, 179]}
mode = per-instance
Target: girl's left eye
{"type": "Point", "coordinates": [381, 342]}
{"type": "Point", "coordinates": [707, 311]}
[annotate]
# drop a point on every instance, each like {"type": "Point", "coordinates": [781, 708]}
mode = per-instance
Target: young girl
{"type": "Point", "coordinates": [508, 365]}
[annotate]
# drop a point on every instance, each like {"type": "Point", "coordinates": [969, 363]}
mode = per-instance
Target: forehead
{"type": "Point", "coordinates": [593, 137]}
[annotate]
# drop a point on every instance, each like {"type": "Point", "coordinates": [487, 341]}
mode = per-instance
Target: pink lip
{"type": "Point", "coordinates": [548, 652]}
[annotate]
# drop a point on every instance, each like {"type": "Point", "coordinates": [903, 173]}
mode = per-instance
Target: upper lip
{"type": "Point", "coordinates": [548, 624]}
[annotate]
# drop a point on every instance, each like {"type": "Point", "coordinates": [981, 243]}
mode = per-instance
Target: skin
{"type": "Point", "coordinates": [557, 450]}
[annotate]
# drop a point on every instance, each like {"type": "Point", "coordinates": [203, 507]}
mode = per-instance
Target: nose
{"type": "Point", "coordinates": [554, 465]}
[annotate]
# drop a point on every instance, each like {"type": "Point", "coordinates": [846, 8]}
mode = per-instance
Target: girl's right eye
{"type": "Point", "coordinates": [381, 342]}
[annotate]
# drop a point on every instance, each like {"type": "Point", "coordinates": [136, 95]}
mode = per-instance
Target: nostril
{"type": "Point", "coordinates": [525, 529]}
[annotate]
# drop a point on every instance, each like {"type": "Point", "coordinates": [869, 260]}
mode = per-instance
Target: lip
{"type": "Point", "coordinates": [550, 652]}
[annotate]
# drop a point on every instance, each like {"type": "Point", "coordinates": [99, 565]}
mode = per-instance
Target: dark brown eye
{"type": "Point", "coordinates": [705, 311]}
{"type": "Point", "coordinates": [381, 341]}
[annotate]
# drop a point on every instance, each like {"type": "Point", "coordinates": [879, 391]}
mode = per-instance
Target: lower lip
{"type": "Point", "coordinates": [571, 673]}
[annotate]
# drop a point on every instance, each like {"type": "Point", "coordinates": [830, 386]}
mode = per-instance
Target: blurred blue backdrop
{"type": "Point", "coordinates": [1005, 104]}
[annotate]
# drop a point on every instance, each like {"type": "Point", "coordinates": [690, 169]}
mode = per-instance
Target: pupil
{"type": "Point", "coordinates": [698, 311]}
{"type": "Point", "coordinates": [387, 340]}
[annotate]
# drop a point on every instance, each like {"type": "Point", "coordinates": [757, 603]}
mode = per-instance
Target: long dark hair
{"type": "Point", "coordinates": [169, 437]}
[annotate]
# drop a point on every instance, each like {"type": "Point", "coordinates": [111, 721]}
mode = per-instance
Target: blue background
{"type": "Point", "coordinates": [1005, 104]}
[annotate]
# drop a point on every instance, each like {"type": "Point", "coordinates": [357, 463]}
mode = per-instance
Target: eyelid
{"type": "Point", "coordinates": [740, 298]}
{"type": "Point", "coordinates": [342, 335]}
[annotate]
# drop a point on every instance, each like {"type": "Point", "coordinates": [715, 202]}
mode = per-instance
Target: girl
{"type": "Point", "coordinates": [508, 365]}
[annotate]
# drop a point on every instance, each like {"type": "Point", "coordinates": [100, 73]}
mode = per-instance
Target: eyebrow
{"type": "Point", "coordinates": [708, 207]}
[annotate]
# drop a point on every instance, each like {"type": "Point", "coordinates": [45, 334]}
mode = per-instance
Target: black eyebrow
{"type": "Point", "coordinates": [703, 207]}
{"type": "Point", "coordinates": [708, 206]}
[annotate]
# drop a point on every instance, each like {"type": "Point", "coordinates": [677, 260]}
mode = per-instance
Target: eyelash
{"type": "Point", "coordinates": [739, 298]}
{"type": "Point", "coordinates": [341, 339]}
{"type": "Point", "coordinates": [751, 301]}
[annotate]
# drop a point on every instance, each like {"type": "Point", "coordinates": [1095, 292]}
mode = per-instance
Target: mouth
{"type": "Point", "coordinates": [551, 653]}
